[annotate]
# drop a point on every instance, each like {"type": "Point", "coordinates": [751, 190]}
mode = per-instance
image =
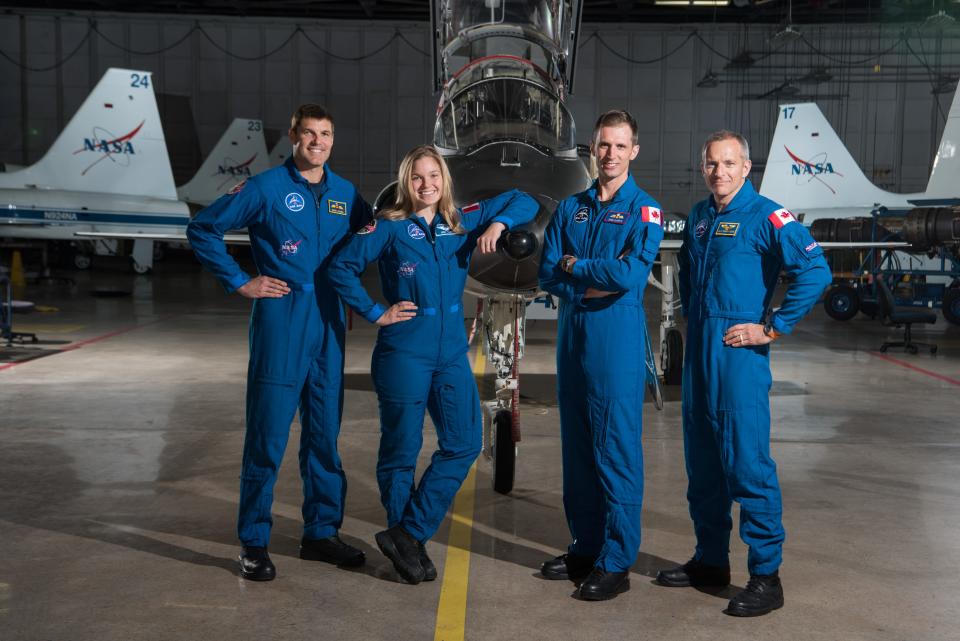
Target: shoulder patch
{"type": "Point", "coordinates": [469, 209]}
{"type": "Point", "coordinates": [781, 217]}
{"type": "Point", "coordinates": [369, 228]}
{"type": "Point", "coordinates": [651, 215]}
{"type": "Point", "coordinates": [236, 189]}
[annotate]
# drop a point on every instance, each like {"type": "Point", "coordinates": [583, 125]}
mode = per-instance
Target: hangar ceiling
{"type": "Point", "coordinates": [748, 11]}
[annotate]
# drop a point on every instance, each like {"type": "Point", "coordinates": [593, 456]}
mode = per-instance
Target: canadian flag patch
{"type": "Point", "coordinates": [781, 217]}
{"type": "Point", "coordinates": [651, 215]}
{"type": "Point", "coordinates": [471, 208]}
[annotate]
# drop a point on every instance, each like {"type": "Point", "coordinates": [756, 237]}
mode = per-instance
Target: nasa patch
{"type": "Point", "coordinates": [369, 228]}
{"type": "Point", "coordinates": [290, 247]}
{"type": "Point", "coordinates": [407, 269]}
{"type": "Point", "coordinates": [236, 189]}
{"type": "Point", "coordinates": [727, 229]}
{"type": "Point", "coordinates": [810, 246]}
{"type": "Point", "coordinates": [414, 231]}
{"type": "Point", "coordinates": [616, 217]}
{"type": "Point", "coordinates": [701, 228]}
{"type": "Point", "coordinates": [293, 201]}
{"type": "Point", "coordinates": [582, 215]}
{"type": "Point", "coordinates": [337, 207]}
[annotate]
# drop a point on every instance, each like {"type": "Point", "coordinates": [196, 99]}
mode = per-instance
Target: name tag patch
{"type": "Point", "coordinates": [337, 207]}
{"type": "Point", "coordinates": [616, 217]}
{"type": "Point", "coordinates": [727, 229]}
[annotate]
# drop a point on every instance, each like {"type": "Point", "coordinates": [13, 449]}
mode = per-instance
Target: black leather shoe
{"type": "Point", "coordinates": [601, 585]}
{"type": "Point", "coordinates": [696, 574]}
{"type": "Point", "coordinates": [429, 569]}
{"type": "Point", "coordinates": [331, 550]}
{"type": "Point", "coordinates": [567, 566]}
{"type": "Point", "coordinates": [255, 565]}
{"type": "Point", "coordinates": [763, 594]}
{"type": "Point", "coordinates": [400, 547]}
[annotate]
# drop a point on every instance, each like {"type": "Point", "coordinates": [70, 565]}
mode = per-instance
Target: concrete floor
{"type": "Point", "coordinates": [120, 451]}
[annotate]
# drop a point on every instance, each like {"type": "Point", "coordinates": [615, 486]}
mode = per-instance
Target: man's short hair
{"type": "Point", "coordinates": [615, 118]}
{"type": "Point", "coordinates": [725, 134]}
{"type": "Point", "coordinates": [309, 110]}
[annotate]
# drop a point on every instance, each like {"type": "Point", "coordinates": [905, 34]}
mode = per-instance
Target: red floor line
{"type": "Point", "coordinates": [89, 341]}
{"type": "Point", "coordinates": [896, 361]}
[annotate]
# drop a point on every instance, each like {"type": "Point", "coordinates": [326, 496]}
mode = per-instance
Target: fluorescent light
{"type": "Point", "coordinates": [692, 3]}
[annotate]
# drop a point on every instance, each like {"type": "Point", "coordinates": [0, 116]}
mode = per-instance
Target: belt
{"type": "Point", "coordinates": [432, 311]}
{"type": "Point", "coordinates": [300, 287]}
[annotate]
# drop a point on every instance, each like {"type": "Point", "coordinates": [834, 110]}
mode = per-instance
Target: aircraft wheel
{"type": "Point", "coordinates": [138, 268]}
{"type": "Point", "coordinates": [82, 261]}
{"type": "Point", "coordinates": [504, 452]}
{"type": "Point", "coordinates": [951, 305]}
{"type": "Point", "coordinates": [841, 302]}
{"type": "Point", "coordinates": [673, 369]}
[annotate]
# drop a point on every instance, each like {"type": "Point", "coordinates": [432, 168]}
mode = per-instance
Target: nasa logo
{"type": "Point", "coordinates": [294, 201]}
{"type": "Point", "coordinates": [701, 228]}
{"type": "Point", "coordinates": [337, 207]}
{"type": "Point", "coordinates": [810, 246]}
{"type": "Point", "coordinates": [235, 170]}
{"type": "Point", "coordinates": [414, 231]}
{"type": "Point", "coordinates": [815, 167]}
{"type": "Point", "coordinates": [102, 142]}
{"type": "Point", "coordinates": [369, 228]}
{"type": "Point", "coordinates": [582, 215]}
{"type": "Point", "coordinates": [407, 269]}
{"type": "Point", "coordinates": [290, 247]}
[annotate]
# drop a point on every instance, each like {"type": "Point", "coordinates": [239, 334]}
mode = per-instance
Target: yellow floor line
{"type": "Point", "coordinates": [452, 609]}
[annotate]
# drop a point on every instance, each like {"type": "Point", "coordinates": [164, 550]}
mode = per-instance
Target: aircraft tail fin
{"type": "Point", "coordinates": [945, 177]}
{"type": "Point", "coordinates": [114, 144]}
{"type": "Point", "coordinates": [810, 168]}
{"type": "Point", "coordinates": [280, 152]}
{"type": "Point", "coordinates": [240, 153]}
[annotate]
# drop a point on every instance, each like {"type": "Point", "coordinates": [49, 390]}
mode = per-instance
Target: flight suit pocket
{"type": "Point", "coordinates": [742, 451]}
{"type": "Point", "coordinates": [270, 337]}
{"type": "Point", "coordinates": [455, 413]}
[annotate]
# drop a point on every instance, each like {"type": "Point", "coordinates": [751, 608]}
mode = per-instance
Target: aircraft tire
{"type": "Point", "coordinates": [504, 453]}
{"type": "Point", "coordinates": [673, 371]}
{"type": "Point", "coordinates": [951, 305]}
{"type": "Point", "coordinates": [841, 302]}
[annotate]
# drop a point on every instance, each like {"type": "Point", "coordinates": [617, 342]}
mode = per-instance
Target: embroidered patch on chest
{"type": "Point", "coordinates": [290, 247]}
{"type": "Point", "coordinates": [701, 228]}
{"type": "Point", "coordinates": [337, 207]}
{"type": "Point", "coordinates": [727, 229]}
{"type": "Point", "coordinates": [293, 201]}
{"type": "Point", "coordinates": [407, 269]}
{"type": "Point", "coordinates": [369, 228]}
{"type": "Point", "coordinates": [443, 230]}
{"type": "Point", "coordinates": [616, 217]}
{"type": "Point", "coordinates": [414, 231]}
{"type": "Point", "coordinates": [582, 215]}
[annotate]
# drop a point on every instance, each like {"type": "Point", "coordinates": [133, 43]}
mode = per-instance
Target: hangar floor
{"type": "Point", "coordinates": [120, 449]}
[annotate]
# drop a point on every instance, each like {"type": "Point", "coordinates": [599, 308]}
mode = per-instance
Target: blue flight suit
{"type": "Point", "coordinates": [296, 342]}
{"type": "Point", "coordinates": [601, 370]}
{"type": "Point", "coordinates": [422, 363]}
{"type": "Point", "coordinates": [729, 266]}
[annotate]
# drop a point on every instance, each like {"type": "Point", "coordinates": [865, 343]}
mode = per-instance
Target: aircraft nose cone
{"type": "Point", "coordinates": [520, 244]}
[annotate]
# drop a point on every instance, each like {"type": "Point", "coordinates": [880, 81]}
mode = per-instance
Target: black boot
{"type": "Point", "coordinates": [331, 550]}
{"type": "Point", "coordinates": [567, 566]}
{"type": "Point", "coordinates": [601, 585]}
{"type": "Point", "coordinates": [763, 594]}
{"type": "Point", "coordinates": [696, 574]}
{"type": "Point", "coordinates": [255, 564]}
{"type": "Point", "coordinates": [429, 569]}
{"type": "Point", "coordinates": [400, 547]}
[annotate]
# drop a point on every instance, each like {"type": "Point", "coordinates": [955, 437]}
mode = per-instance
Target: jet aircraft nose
{"type": "Point", "coordinates": [519, 244]}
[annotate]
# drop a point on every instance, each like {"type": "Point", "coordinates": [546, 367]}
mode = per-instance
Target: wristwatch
{"type": "Point", "coordinates": [565, 263]}
{"type": "Point", "coordinates": [770, 331]}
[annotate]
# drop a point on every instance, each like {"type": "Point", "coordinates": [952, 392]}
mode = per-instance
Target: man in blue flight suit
{"type": "Point", "coordinates": [598, 251]}
{"type": "Point", "coordinates": [735, 245]}
{"type": "Point", "coordinates": [297, 214]}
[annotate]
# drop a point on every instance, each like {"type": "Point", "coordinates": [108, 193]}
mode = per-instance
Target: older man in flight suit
{"type": "Point", "coordinates": [297, 215]}
{"type": "Point", "coordinates": [735, 246]}
{"type": "Point", "coordinates": [598, 251]}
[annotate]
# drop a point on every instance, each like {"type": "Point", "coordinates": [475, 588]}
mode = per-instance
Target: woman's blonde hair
{"type": "Point", "coordinates": [403, 203]}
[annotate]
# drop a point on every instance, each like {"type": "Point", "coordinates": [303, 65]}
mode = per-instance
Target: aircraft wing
{"type": "Point", "coordinates": [237, 239]}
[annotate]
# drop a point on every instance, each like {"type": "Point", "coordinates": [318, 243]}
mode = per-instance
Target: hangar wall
{"type": "Point", "coordinates": [890, 89]}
